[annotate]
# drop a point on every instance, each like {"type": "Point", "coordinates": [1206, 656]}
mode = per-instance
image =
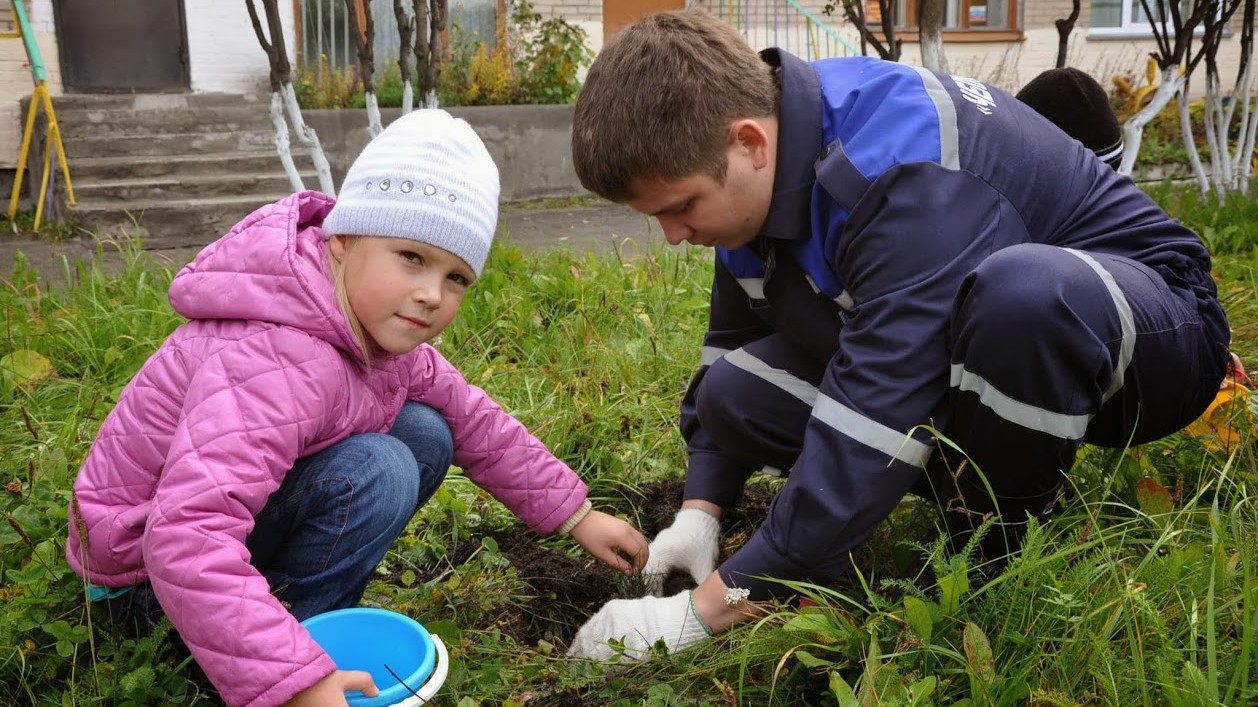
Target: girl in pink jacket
{"type": "Point", "coordinates": [257, 468]}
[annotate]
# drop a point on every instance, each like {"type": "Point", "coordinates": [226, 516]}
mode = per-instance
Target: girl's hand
{"type": "Point", "coordinates": [611, 540]}
{"type": "Point", "coordinates": [330, 691]}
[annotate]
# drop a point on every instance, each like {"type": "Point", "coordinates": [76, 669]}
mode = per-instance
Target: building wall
{"type": "Point", "coordinates": [586, 14]}
{"type": "Point", "coordinates": [571, 10]}
{"type": "Point", "coordinates": [1008, 64]}
{"type": "Point", "coordinates": [223, 51]}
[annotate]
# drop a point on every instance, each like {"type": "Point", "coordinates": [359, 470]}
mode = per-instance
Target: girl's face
{"type": "Point", "coordinates": [403, 292]}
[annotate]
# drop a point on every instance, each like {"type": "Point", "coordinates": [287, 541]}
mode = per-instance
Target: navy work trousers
{"type": "Point", "coordinates": [1049, 348]}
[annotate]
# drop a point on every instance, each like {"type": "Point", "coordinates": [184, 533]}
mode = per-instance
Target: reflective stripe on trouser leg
{"type": "Point", "coordinates": [1039, 339]}
{"type": "Point", "coordinates": [1053, 346]}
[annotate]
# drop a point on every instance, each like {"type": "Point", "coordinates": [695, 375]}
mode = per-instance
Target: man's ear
{"type": "Point", "coordinates": [749, 135]}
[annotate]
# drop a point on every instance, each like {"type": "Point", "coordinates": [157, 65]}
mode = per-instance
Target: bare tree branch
{"type": "Point", "coordinates": [405, 30]}
{"type": "Point", "coordinates": [1064, 28]}
{"type": "Point", "coordinates": [854, 13]}
{"type": "Point", "coordinates": [267, 46]}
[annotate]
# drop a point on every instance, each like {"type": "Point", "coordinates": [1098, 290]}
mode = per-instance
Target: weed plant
{"type": "Point", "coordinates": [1141, 591]}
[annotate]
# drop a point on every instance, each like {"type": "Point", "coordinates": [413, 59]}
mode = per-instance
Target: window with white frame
{"type": "Point", "coordinates": [1128, 16]}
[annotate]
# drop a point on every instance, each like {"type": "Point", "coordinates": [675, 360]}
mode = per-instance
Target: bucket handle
{"type": "Point", "coordinates": [435, 681]}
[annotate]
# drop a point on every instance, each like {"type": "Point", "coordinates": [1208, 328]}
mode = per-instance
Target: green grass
{"type": "Point", "coordinates": [1141, 592]}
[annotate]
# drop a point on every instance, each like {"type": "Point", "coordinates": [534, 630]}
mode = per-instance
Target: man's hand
{"type": "Point", "coordinates": [611, 540]}
{"type": "Point", "coordinates": [689, 544]}
{"type": "Point", "coordinates": [639, 623]}
{"type": "Point", "coordinates": [330, 691]}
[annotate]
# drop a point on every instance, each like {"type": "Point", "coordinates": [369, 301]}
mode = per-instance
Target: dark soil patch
{"type": "Point", "coordinates": [565, 591]}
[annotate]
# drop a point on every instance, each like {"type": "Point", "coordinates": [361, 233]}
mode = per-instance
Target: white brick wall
{"type": "Point", "coordinates": [15, 78]}
{"type": "Point", "coordinates": [223, 52]}
{"type": "Point", "coordinates": [575, 11]}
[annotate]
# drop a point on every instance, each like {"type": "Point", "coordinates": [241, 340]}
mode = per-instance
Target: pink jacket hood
{"type": "Point", "coordinates": [283, 281]}
{"type": "Point", "coordinates": [265, 372]}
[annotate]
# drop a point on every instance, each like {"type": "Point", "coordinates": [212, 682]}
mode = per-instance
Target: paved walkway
{"type": "Point", "coordinates": [599, 227]}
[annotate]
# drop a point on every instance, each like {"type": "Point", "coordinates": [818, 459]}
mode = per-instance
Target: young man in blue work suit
{"type": "Point", "coordinates": [896, 249]}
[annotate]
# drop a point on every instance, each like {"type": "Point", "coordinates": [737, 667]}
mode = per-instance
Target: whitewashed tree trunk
{"type": "Point", "coordinates": [1245, 158]}
{"type": "Point", "coordinates": [1190, 145]}
{"type": "Point", "coordinates": [1242, 159]}
{"type": "Point", "coordinates": [933, 56]}
{"type": "Point", "coordinates": [931, 30]}
{"type": "Point", "coordinates": [430, 100]}
{"type": "Point", "coordinates": [406, 31]}
{"type": "Point", "coordinates": [1217, 119]}
{"type": "Point", "coordinates": [282, 144]}
{"type": "Point", "coordinates": [1133, 129]}
{"type": "Point", "coordinates": [373, 114]}
{"type": "Point", "coordinates": [307, 137]}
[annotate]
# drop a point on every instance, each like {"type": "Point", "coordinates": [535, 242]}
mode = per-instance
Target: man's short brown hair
{"type": "Point", "coordinates": [659, 99]}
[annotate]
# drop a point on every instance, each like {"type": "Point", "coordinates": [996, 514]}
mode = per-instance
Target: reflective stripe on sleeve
{"type": "Point", "coordinates": [949, 136]}
{"type": "Point", "coordinates": [897, 445]}
{"type": "Point", "coordinates": [795, 386]}
{"type": "Point", "coordinates": [753, 286]}
{"type": "Point", "coordinates": [710, 354]}
{"type": "Point", "coordinates": [875, 435]}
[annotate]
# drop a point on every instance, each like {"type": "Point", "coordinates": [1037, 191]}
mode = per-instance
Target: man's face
{"type": "Point", "coordinates": [703, 211]}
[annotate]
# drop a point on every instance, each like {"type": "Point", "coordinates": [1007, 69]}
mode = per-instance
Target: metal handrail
{"type": "Point", "coordinates": [40, 98]}
{"type": "Point", "coordinates": [829, 31]}
{"type": "Point", "coordinates": [777, 23]}
{"type": "Point", "coordinates": [33, 57]}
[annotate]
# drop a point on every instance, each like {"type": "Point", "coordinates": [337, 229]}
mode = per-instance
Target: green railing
{"type": "Point", "coordinates": [783, 23]}
{"type": "Point", "coordinates": [33, 57]}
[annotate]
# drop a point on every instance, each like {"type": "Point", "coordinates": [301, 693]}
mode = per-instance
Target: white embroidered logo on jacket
{"type": "Point", "coordinates": [975, 92]}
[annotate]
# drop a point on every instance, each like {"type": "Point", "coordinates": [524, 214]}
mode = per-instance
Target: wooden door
{"type": "Point", "coordinates": [618, 13]}
{"type": "Point", "coordinates": [123, 45]}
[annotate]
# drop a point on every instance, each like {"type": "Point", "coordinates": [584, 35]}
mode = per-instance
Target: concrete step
{"type": "Point", "coordinates": [184, 187]}
{"type": "Point", "coordinates": [76, 124]}
{"type": "Point", "coordinates": [170, 144]}
{"type": "Point", "coordinates": [156, 101]}
{"type": "Point", "coordinates": [229, 163]}
{"type": "Point", "coordinates": [169, 224]}
{"type": "Point", "coordinates": [179, 169]}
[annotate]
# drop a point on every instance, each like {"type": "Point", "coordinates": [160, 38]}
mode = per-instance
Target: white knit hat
{"type": "Point", "coordinates": [427, 177]}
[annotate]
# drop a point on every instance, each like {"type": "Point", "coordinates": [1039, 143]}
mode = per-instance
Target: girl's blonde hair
{"type": "Point", "coordinates": [342, 301]}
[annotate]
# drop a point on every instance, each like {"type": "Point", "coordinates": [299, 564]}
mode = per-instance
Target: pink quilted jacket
{"type": "Point", "coordinates": [264, 373]}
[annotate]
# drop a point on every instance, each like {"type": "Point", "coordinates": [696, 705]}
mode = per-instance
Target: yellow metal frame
{"type": "Point", "coordinates": [40, 98]}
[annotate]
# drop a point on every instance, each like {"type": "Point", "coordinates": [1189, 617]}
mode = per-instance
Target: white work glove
{"type": "Point", "coordinates": [689, 544]}
{"type": "Point", "coordinates": [639, 623]}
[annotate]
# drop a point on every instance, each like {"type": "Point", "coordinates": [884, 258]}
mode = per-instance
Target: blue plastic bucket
{"type": "Point", "coordinates": [370, 639]}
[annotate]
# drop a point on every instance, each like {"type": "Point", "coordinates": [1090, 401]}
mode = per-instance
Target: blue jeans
{"type": "Point", "coordinates": [326, 528]}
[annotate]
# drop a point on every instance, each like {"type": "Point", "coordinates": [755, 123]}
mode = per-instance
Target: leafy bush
{"type": "Point", "coordinates": [531, 61]}
{"type": "Point", "coordinates": [327, 86]}
{"type": "Point", "coordinates": [534, 61]}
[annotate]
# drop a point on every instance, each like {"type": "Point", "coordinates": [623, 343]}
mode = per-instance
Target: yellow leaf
{"type": "Point", "coordinates": [1153, 498]}
{"type": "Point", "coordinates": [25, 368]}
{"type": "Point", "coordinates": [1220, 427]}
